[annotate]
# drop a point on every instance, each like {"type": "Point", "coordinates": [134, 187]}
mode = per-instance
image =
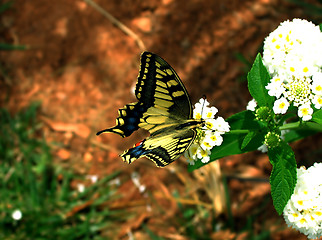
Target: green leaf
{"type": "Point", "coordinates": [258, 78]}
{"type": "Point", "coordinates": [247, 139]}
{"type": "Point", "coordinates": [5, 6]}
{"type": "Point", "coordinates": [294, 135]}
{"type": "Point", "coordinates": [244, 120]}
{"type": "Point", "coordinates": [317, 116]}
{"type": "Point", "coordinates": [283, 175]}
{"type": "Point", "coordinates": [9, 47]}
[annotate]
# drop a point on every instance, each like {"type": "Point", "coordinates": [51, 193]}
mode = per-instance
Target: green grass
{"type": "Point", "coordinates": [31, 183]}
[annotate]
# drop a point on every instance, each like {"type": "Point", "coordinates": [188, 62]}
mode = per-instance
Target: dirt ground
{"type": "Point", "coordinates": [83, 68]}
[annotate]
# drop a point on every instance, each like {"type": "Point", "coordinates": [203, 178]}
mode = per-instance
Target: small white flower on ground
{"type": "Point", "coordinates": [304, 210]}
{"type": "Point", "coordinates": [305, 112]}
{"type": "Point", "coordinates": [80, 187]}
{"type": "Point", "coordinates": [93, 178]}
{"type": "Point", "coordinates": [16, 215]}
{"type": "Point", "coordinates": [251, 105]}
{"type": "Point", "coordinates": [280, 106]}
{"type": "Point", "coordinates": [136, 180]}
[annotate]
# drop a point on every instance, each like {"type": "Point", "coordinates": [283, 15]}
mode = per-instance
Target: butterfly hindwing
{"type": "Point", "coordinates": [163, 148]}
{"type": "Point", "coordinates": [128, 119]}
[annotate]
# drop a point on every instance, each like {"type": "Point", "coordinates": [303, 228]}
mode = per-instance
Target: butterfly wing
{"type": "Point", "coordinates": [163, 105]}
{"type": "Point", "coordinates": [163, 148]}
{"type": "Point", "coordinates": [159, 86]}
{"type": "Point", "coordinates": [128, 120]}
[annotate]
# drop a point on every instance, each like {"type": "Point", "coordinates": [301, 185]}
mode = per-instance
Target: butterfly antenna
{"type": "Point", "coordinates": [204, 100]}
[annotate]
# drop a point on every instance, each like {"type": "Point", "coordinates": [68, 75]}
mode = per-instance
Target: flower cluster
{"type": "Point", "coordinates": [207, 136]}
{"type": "Point", "coordinates": [292, 55]}
{"type": "Point", "coordinates": [304, 210]}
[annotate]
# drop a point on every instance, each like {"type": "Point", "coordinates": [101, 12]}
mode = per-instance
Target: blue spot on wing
{"type": "Point", "coordinates": [137, 151]}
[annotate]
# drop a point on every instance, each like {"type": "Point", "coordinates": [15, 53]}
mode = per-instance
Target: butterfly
{"type": "Point", "coordinates": [163, 108]}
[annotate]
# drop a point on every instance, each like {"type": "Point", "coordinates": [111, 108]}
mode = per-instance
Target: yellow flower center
{"type": "Point", "coordinates": [320, 100]}
{"type": "Point", "coordinates": [305, 111]}
{"type": "Point", "coordinates": [282, 105]}
{"type": "Point", "coordinates": [213, 138]}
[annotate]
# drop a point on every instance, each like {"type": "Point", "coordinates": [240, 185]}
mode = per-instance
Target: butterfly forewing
{"type": "Point", "coordinates": [159, 85]}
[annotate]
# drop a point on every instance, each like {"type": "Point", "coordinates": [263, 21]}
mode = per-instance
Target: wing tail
{"type": "Point", "coordinates": [128, 120]}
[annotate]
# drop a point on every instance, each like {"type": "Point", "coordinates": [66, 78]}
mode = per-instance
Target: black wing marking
{"type": "Point", "coordinates": [159, 85]}
{"type": "Point", "coordinates": [128, 120]}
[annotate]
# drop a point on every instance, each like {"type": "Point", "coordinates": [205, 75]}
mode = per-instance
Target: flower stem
{"type": "Point", "coordinates": [239, 131]}
{"type": "Point", "coordinates": [302, 125]}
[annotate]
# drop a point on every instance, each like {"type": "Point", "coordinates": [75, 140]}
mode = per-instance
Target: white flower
{"type": "Point", "coordinates": [263, 148]}
{"type": "Point", "coordinates": [317, 87]}
{"type": "Point", "coordinates": [191, 153]}
{"type": "Point", "coordinates": [204, 155]}
{"type": "Point", "coordinates": [292, 55]}
{"type": "Point", "coordinates": [304, 210]}
{"type": "Point", "coordinates": [275, 87]}
{"type": "Point", "coordinates": [80, 187]}
{"type": "Point", "coordinates": [202, 111]}
{"type": "Point", "coordinates": [190, 160]}
{"type": "Point", "coordinates": [93, 178]}
{"type": "Point", "coordinates": [215, 138]}
{"type": "Point", "coordinates": [136, 180]}
{"type": "Point", "coordinates": [221, 125]}
{"type": "Point", "coordinates": [16, 215]}
{"type": "Point", "coordinates": [305, 112]}
{"type": "Point", "coordinates": [252, 104]}
{"type": "Point", "coordinates": [317, 101]}
{"type": "Point", "coordinates": [209, 135]}
{"type": "Point", "coordinates": [209, 112]}
{"type": "Point", "coordinates": [280, 106]}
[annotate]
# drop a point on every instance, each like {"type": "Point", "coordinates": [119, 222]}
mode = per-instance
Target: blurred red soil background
{"type": "Point", "coordinates": [83, 69]}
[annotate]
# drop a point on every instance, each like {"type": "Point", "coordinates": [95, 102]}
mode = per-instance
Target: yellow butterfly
{"type": "Point", "coordinates": [163, 108]}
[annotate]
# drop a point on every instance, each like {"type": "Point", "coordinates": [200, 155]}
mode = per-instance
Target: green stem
{"type": "Point", "coordinates": [239, 131]}
{"type": "Point", "coordinates": [302, 125]}
{"type": "Point", "coordinates": [290, 126]}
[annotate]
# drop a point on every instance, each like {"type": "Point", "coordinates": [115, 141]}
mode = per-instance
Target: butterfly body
{"type": "Point", "coordinates": [163, 108]}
